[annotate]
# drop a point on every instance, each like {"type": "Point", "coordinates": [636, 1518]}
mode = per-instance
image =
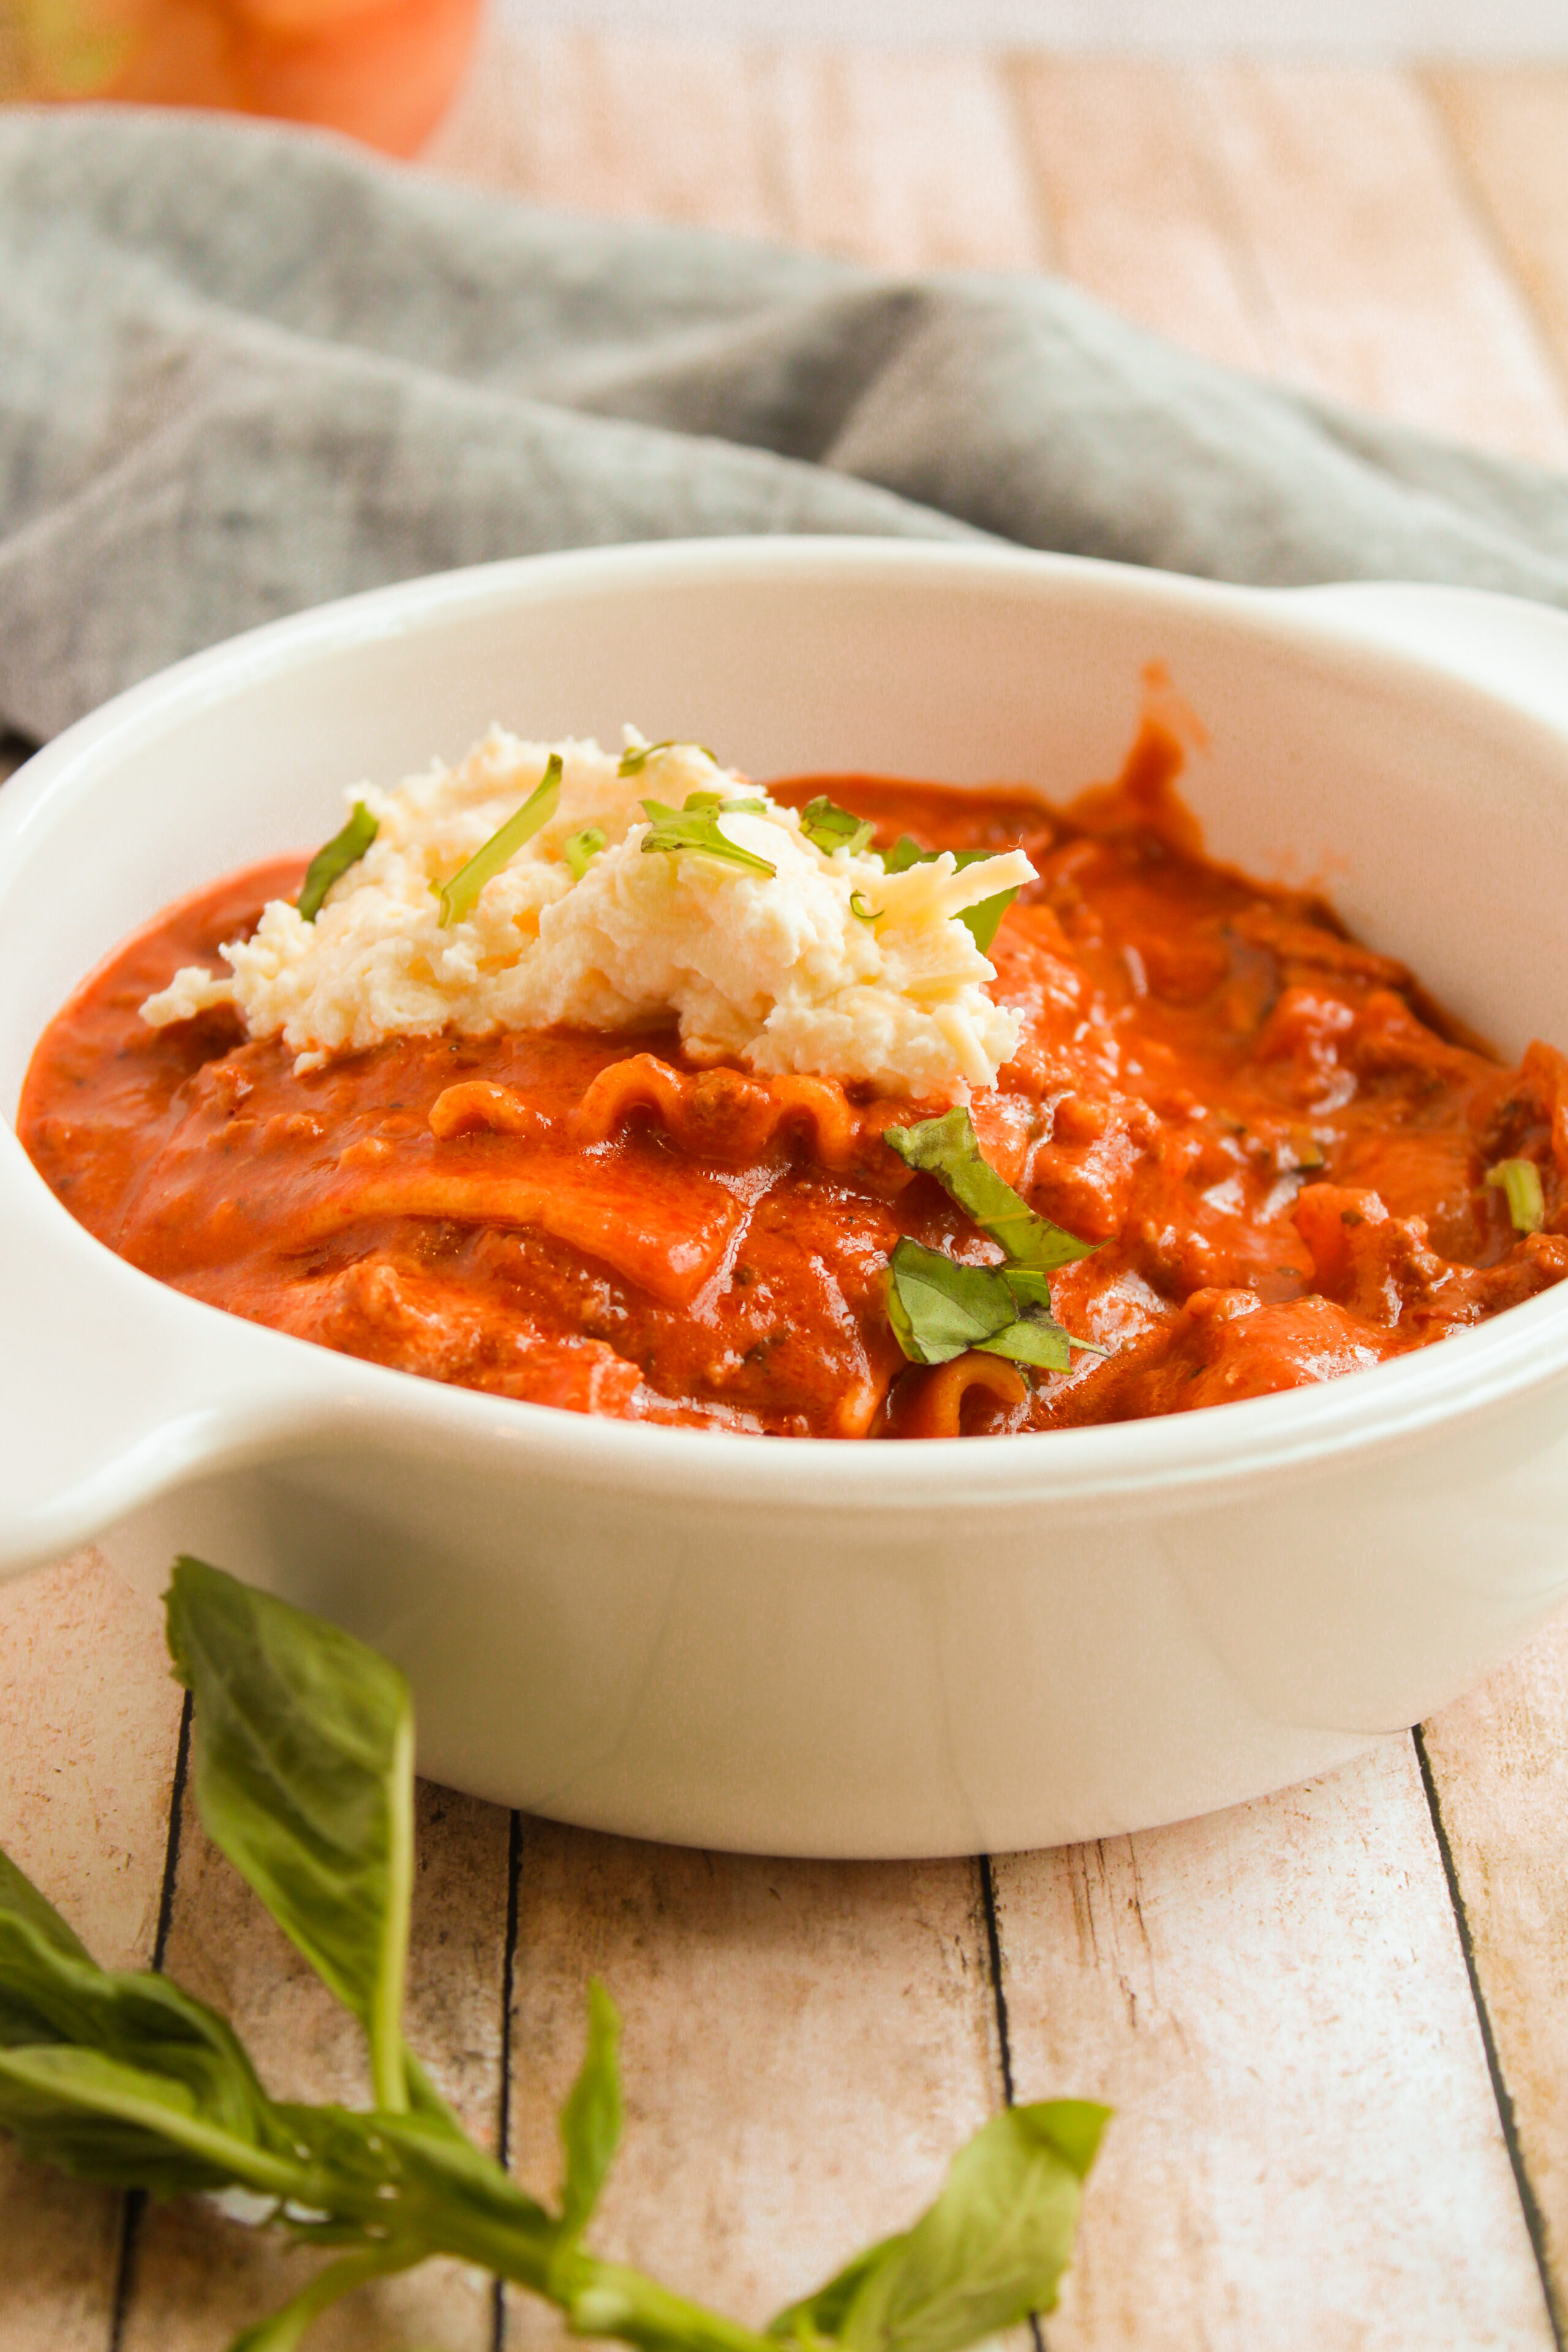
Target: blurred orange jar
{"type": "Point", "coordinates": [382, 71]}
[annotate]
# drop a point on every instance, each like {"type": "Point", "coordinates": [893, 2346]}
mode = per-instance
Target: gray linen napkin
{"type": "Point", "coordinates": [244, 369]}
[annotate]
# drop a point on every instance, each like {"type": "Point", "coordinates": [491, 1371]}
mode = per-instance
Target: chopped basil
{"type": "Point", "coordinates": [460, 896]}
{"type": "Point", "coordinates": [981, 921]}
{"type": "Point", "coordinates": [949, 1149]}
{"type": "Point", "coordinates": [635, 759]}
{"type": "Point", "coordinates": [334, 858]}
{"type": "Point", "coordinates": [1519, 1179]}
{"type": "Point", "coordinates": [828, 827]}
{"type": "Point", "coordinates": [582, 849]}
{"type": "Point", "coordinates": [861, 911]}
{"type": "Point", "coordinates": [696, 828]}
{"type": "Point", "coordinates": [940, 1309]}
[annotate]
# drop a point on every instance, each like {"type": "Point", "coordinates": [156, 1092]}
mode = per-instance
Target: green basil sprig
{"type": "Point", "coordinates": [830, 827]}
{"type": "Point", "coordinates": [460, 895]}
{"type": "Point", "coordinates": [981, 921]}
{"type": "Point", "coordinates": [937, 1307]}
{"type": "Point", "coordinates": [695, 829]}
{"type": "Point", "coordinates": [303, 1776]}
{"type": "Point", "coordinates": [334, 858]}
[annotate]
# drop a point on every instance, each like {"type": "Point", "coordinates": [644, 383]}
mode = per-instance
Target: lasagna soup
{"type": "Point", "coordinates": [846, 1109]}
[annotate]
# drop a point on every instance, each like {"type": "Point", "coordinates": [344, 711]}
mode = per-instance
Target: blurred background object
{"type": "Point", "coordinates": [382, 71]}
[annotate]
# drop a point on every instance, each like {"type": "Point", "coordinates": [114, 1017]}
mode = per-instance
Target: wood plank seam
{"type": "Point", "coordinates": [999, 2002]}
{"type": "Point", "coordinates": [1494, 233]}
{"type": "Point", "coordinates": [508, 1986]}
{"type": "Point", "coordinates": [134, 2206]}
{"type": "Point", "coordinates": [1534, 2219]}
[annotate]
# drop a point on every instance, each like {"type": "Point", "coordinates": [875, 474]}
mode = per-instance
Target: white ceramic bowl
{"type": "Point", "coordinates": [805, 1647]}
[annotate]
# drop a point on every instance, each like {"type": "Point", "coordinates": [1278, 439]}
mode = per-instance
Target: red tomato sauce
{"type": "Point", "coordinates": [1279, 1144]}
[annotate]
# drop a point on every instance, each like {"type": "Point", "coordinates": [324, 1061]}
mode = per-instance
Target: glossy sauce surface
{"type": "Point", "coordinates": [1279, 1144]}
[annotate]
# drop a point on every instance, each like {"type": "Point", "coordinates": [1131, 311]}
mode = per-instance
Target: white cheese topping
{"type": "Point", "coordinates": [778, 971]}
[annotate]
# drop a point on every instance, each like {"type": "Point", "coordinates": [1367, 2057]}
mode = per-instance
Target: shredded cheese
{"type": "Point", "coordinates": [777, 971]}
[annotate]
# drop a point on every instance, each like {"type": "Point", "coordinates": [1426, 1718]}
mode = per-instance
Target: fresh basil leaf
{"type": "Point", "coordinates": [303, 1775]}
{"type": "Point", "coordinates": [460, 894]}
{"type": "Point", "coordinates": [830, 827]}
{"type": "Point", "coordinates": [822, 2314]}
{"type": "Point", "coordinates": [981, 921]}
{"type": "Point", "coordinates": [635, 759]}
{"type": "Point", "coordinates": [1037, 1340]}
{"type": "Point", "coordinates": [990, 2250]}
{"type": "Point", "coordinates": [939, 1309]}
{"type": "Point", "coordinates": [949, 1149]}
{"type": "Point", "coordinates": [591, 2118]}
{"type": "Point", "coordinates": [53, 1994]}
{"type": "Point", "coordinates": [582, 849]}
{"type": "Point", "coordinates": [101, 2119]}
{"type": "Point", "coordinates": [334, 858]}
{"type": "Point", "coordinates": [20, 1900]}
{"type": "Point", "coordinates": [1519, 1181]}
{"type": "Point", "coordinates": [696, 828]}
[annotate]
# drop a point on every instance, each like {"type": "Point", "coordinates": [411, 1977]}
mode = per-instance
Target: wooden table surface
{"type": "Point", "coordinates": [1334, 2023]}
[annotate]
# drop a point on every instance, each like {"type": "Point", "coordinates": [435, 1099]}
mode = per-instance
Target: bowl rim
{"type": "Point", "coordinates": [282, 1399]}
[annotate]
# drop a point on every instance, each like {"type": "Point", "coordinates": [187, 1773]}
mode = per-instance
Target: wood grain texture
{"type": "Point", "coordinates": [1510, 127]}
{"type": "Point", "coordinates": [806, 2045]}
{"type": "Point", "coordinates": [1500, 1777]}
{"type": "Point", "coordinates": [90, 1722]}
{"type": "Point", "coordinates": [1307, 2148]}
{"type": "Point", "coordinates": [1141, 213]}
{"type": "Point", "coordinates": [197, 2278]}
{"type": "Point", "coordinates": [907, 161]}
{"type": "Point", "coordinates": [1383, 285]}
{"type": "Point", "coordinates": [629, 130]}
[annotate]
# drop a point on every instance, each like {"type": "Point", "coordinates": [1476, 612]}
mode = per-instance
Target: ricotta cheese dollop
{"type": "Point", "coordinates": [830, 965]}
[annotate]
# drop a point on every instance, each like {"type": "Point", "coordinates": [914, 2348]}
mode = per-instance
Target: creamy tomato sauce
{"type": "Point", "coordinates": [1280, 1145]}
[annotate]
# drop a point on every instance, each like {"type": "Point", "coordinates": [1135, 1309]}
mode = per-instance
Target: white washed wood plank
{"type": "Point", "coordinates": [1307, 2149]}
{"type": "Point", "coordinates": [628, 128]}
{"type": "Point", "coordinates": [1139, 215]}
{"type": "Point", "coordinates": [197, 2279]}
{"type": "Point", "coordinates": [1382, 283]}
{"type": "Point", "coordinates": [1499, 1761]}
{"type": "Point", "coordinates": [88, 1725]}
{"type": "Point", "coordinates": [908, 160]}
{"type": "Point", "coordinates": [806, 2045]}
{"type": "Point", "coordinates": [1509, 125]}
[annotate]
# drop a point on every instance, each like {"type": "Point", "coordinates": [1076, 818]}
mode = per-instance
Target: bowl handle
{"type": "Point", "coordinates": [1512, 648]}
{"type": "Point", "coordinates": [113, 1388]}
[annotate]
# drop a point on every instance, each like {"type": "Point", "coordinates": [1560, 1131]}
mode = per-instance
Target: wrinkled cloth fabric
{"type": "Point", "coordinates": [244, 369]}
